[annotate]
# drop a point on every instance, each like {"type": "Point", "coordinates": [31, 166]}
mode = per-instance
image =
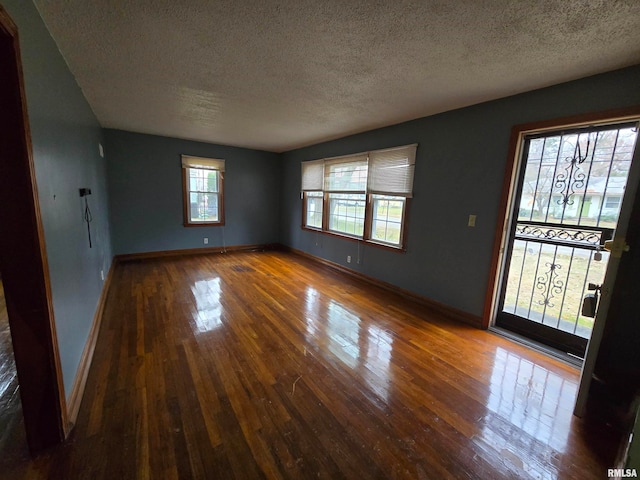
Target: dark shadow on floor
{"type": "Point", "coordinates": [13, 443]}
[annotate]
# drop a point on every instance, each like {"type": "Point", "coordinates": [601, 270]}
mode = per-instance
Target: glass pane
{"type": "Point", "coordinates": [346, 213]}
{"type": "Point", "coordinates": [577, 178]}
{"type": "Point", "coordinates": [386, 224]}
{"type": "Point", "coordinates": [193, 181]}
{"type": "Point", "coordinates": [547, 284]}
{"type": "Point", "coordinates": [348, 176]}
{"type": "Point", "coordinates": [201, 180]}
{"type": "Point", "coordinates": [314, 210]}
{"type": "Point", "coordinates": [203, 207]}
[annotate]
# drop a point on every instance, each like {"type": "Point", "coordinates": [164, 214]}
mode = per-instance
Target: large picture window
{"type": "Point", "coordinates": [202, 183]}
{"type": "Point", "coordinates": [362, 196]}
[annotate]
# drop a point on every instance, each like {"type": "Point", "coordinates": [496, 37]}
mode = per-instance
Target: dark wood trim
{"type": "Point", "coordinates": [186, 204]}
{"type": "Point", "coordinates": [501, 226]}
{"type": "Point", "coordinates": [355, 239]}
{"type": "Point", "coordinates": [23, 259]}
{"type": "Point", "coordinates": [405, 223]}
{"type": "Point", "coordinates": [325, 212]}
{"type": "Point", "coordinates": [318, 230]}
{"type": "Point", "coordinates": [437, 307]}
{"type": "Point", "coordinates": [185, 198]}
{"type": "Point", "coordinates": [7, 25]}
{"type": "Point", "coordinates": [582, 120]}
{"type": "Point", "coordinates": [515, 141]}
{"type": "Point", "coordinates": [384, 246]}
{"type": "Point", "coordinates": [303, 220]}
{"type": "Point", "coordinates": [77, 392]}
{"type": "Point", "coordinates": [128, 257]}
{"type": "Point", "coordinates": [335, 234]}
{"type": "Point", "coordinates": [368, 214]}
{"type": "Point", "coordinates": [204, 224]}
{"type": "Point", "coordinates": [221, 199]}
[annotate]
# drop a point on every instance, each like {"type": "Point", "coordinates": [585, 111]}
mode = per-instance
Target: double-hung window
{"type": "Point", "coordinates": [202, 183]}
{"type": "Point", "coordinates": [363, 196]}
{"type": "Point", "coordinates": [345, 183]}
{"type": "Point", "coordinates": [312, 183]}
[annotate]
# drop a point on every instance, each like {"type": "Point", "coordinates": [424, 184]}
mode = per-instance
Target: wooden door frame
{"type": "Point", "coordinates": [23, 260]}
{"type": "Point", "coordinates": [503, 223]}
{"type": "Point", "coordinates": [503, 227]}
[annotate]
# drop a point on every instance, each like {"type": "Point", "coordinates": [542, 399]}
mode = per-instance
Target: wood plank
{"type": "Point", "coordinates": [262, 365]}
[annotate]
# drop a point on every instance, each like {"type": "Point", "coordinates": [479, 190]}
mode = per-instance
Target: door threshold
{"type": "Point", "coordinates": [567, 358]}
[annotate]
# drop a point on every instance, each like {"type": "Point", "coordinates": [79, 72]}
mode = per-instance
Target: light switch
{"type": "Point", "coordinates": [472, 221]}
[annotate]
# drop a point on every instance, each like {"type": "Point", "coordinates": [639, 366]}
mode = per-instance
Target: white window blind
{"type": "Point", "coordinates": [312, 175]}
{"type": "Point", "coordinates": [391, 171]}
{"type": "Point", "coordinates": [204, 163]}
{"type": "Point", "coordinates": [346, 174]}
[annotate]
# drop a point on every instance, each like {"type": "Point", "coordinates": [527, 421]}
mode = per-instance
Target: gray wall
{"type": "Point", "coordinates": [65, 136]}
{"type": "Point", "coordinates": [145, 193]}
{"type": "Point", "coordinates": [460, 168]}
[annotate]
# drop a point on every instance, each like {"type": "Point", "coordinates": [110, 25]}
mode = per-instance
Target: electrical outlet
{"type": "Point", "coordinates": [472, 221]}
{"type": "Point", "coordinates": [206, 240]}
{"type": "Point", "coordinates": [102, 275]}
{"type": "Point", "coordinates": [348, 258]}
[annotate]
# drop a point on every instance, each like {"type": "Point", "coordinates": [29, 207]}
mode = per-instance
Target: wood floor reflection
{"type": "Point", "coordinates": [265, 365]}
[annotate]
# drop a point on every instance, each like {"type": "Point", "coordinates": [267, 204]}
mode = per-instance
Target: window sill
{"type": "Point", "coordinates": [204, 224]}
{"type": "Point", "coordinates": [344, 236]}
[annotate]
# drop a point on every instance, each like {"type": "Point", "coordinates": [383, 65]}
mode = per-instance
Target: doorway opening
{"type": "Point", "coordinates": [566, 206]}
{"type": "Point", "coordinates": [23, 260]}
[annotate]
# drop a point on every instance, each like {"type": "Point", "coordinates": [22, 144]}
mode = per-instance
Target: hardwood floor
{"type": "Point", "coordinates": [266, 365]}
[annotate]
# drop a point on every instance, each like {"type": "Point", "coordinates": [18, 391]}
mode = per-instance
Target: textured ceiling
{"type": "Point", "coordinates": [276, 75]}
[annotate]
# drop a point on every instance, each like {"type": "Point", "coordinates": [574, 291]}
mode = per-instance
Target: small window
{"type": "Point", "coordinates": [313, 213]}
{"type": "Point", "coordinates": [612, 202]}
{"type": "Point", "coordinates": [203, 180]}
{"type": "Point", "coordinates": [387, 219]}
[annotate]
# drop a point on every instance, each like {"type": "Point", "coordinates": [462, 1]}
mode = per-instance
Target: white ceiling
{"type": "Point", "coordinates": [277, 75]}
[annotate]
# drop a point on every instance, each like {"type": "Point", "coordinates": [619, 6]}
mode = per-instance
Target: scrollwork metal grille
{"type": "Point", "coordinates": [569, 195]}
{"type": "Point", "coordinates": [549, 284]}
{"type": "Point", "coordinates": [554, 233]}
{"type": "Point", "coordinates": [573, 178]}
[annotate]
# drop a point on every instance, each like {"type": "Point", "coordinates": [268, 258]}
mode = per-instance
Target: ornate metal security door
{"type": "Point", "coordinates": [570, 191]}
